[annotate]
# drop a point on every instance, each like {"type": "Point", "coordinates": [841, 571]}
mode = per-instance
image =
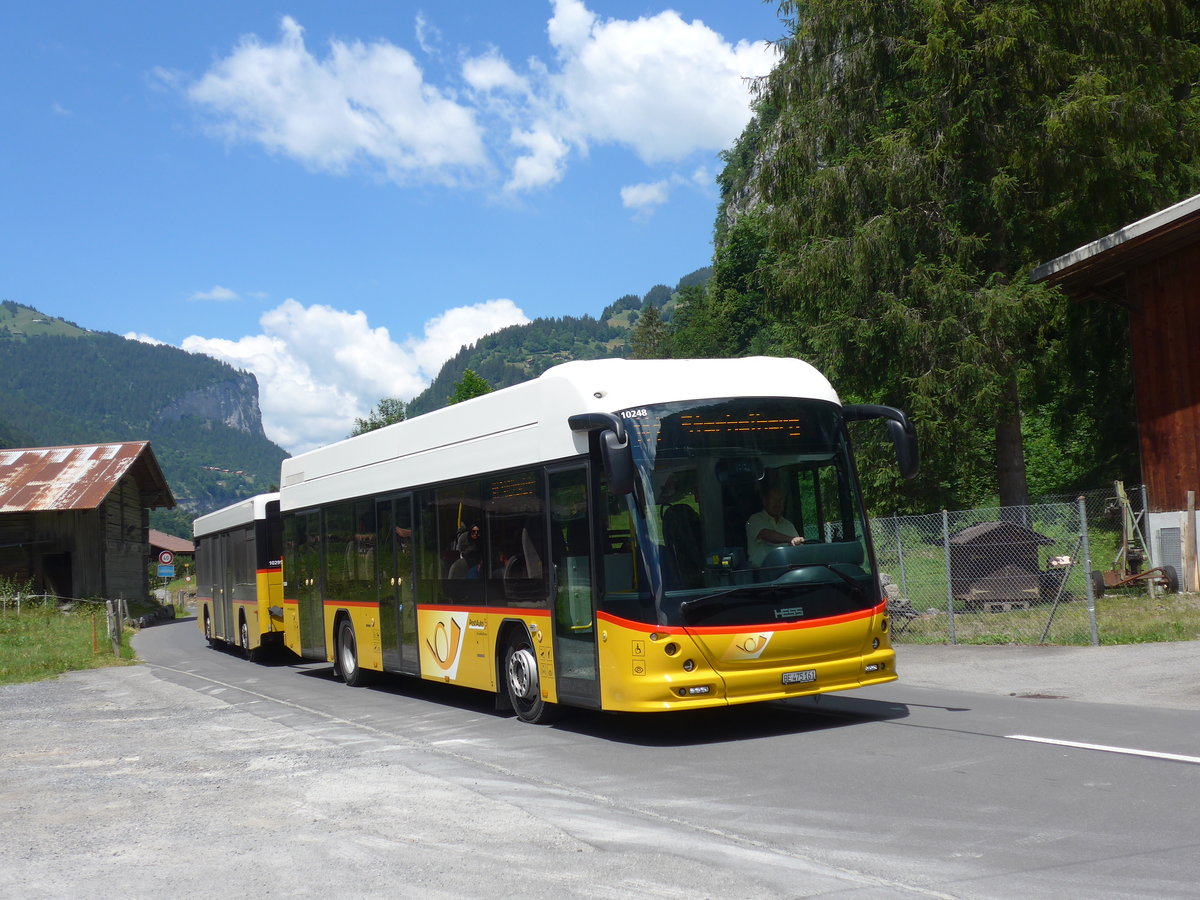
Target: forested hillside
{"type": "Point", "coordinates": [521, 352]}
{"type": "Point", "coordinates": [65, 385]}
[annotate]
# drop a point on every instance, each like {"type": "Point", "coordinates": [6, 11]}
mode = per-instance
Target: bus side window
{"type": "Point", "coordinates": [516, 530]}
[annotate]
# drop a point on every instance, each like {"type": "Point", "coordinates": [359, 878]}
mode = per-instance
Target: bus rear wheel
{"type": "Point", "coordinates": [347, 656]}
{"type": "Point", "coordinates": [524, 687]}
{"type": "Point", "coordinates": [208, 635]}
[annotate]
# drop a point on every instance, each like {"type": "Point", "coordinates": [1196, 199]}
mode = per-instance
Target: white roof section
{"type": "Point", "coordinates": [527, 424]}
{"type": "Point", "coordinates": [233, 516]}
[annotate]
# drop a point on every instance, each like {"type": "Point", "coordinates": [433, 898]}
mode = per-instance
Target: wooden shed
{"type": "Point", "coordinates": [996, 563]}
{"type": "Point", "coordinates": [75, 520]}
{"type": "Point", "coordinates": [1152, 269]}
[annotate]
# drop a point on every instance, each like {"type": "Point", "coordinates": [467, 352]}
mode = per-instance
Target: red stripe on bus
{"type": "Point", "coordinates": [363, 604]}
{"type": "Point", "coordinates": [267, 571]}
{"type": "Point", "coordinates": [738, 629]}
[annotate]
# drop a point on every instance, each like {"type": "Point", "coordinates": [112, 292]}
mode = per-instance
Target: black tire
{"type": "Point", "coordinates": [1097, 584]}
{"type": "Point", "coordinates": [347, 656]}
{"type": "Point", "coordinates": [523, 684]}
{"type": "Point", "coordinates": [1170, 579]}
{"type": "Point", "coordinates": [208, 635]}
{"type": "Point", "coordinates": [244, 642]}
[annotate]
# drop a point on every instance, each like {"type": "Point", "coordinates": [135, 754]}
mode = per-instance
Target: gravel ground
{"type": "Point", "coordinates": [1163, 674]}
{"type": "Point", "coordinates": [118, 783]}
{"type": "Point", "coordinates": [134, 787]}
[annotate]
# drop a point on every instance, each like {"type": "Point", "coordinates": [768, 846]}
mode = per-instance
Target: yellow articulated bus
{"type": "Point", "coordinates": [615, 534]}
{"type": "Point", "coordinates": [239, 590]}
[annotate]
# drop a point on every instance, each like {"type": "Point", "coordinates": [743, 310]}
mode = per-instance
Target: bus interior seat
{"type": "Point", "coordinates": [458, 569]}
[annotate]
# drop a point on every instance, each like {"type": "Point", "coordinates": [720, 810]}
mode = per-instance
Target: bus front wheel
{"type": "Point", "coordinates": [347, 656]}
{"type": "Point", "coordinates": [524, 687]}
{"type": "Point", "coordinates": [244, 639]}
{"type": "Point", "coordinates": [208, 635]}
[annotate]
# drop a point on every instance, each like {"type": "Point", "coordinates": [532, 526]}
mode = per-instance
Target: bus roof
{"type": "Point", "coordinates": [526, 424]}
{"type": "Point", "coordinates": [241, 513]}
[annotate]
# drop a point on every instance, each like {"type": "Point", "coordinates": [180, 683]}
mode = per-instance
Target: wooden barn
{"type": "Point", "coordinates": [1152, 269]}
{"type": "Point", "coordinates": [75, 520]}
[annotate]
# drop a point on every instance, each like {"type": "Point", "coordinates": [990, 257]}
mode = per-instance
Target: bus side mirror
{"type": "Point", "coordinates": [616, 450]}
{"type": "Point", "coordinates": [904, 436]}
{"type": "Point", "coordinates": [617, 458]}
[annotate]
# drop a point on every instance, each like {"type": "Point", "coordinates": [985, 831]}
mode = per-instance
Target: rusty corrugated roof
{"type": "Point", "coordinates": [39, 479]}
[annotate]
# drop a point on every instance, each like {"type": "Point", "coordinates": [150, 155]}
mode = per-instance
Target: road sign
{"type": "Point", "coordinates": [166, 571]}
{"type": "Point", "coordinates": [166, 558]}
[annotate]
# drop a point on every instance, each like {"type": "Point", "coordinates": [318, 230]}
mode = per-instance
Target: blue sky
{"type": "Point", "coordinates": [338, 196]}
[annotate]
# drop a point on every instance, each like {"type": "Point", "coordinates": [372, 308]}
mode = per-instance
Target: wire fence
{"type": "Point", "coordinates": [1013, 575]}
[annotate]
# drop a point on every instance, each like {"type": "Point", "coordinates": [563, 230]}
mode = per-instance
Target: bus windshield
{"type": "Point", "coordinates": [729, 488]}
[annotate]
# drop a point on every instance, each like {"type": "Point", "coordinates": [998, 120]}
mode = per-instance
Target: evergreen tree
{"type": "Point", "coordinates": [470, 385]}
{"type": "Point", "coordinates": [649, 339]}
{"type": "Point", "coordinates": [923, 157]}
{"type": "Point", "coordinates": [388, 411]}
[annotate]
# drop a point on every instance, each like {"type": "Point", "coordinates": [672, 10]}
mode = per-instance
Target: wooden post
{"type": "Point", "coordinates": [1190, 579]}
{"type": "Point", "coordinates": [114, 625]}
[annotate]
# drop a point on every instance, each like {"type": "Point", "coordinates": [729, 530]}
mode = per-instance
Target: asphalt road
{"type": "Point", "coordinates": [200, 774]}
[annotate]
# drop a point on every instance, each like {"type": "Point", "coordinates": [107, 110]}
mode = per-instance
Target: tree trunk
{"type": "Point", "coordinates": [1010, 449]}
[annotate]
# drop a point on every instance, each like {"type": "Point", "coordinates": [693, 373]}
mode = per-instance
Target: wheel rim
{"type": "Point", "coordinates": [349, 656]}
{"type": "Point", "coordinates": [208, 628]}
{"type": "Point", "coordinates": [245, 636]}
{"type": "Point", "coordinates": [522, 674]}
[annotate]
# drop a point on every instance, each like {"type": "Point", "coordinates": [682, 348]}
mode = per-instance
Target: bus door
{"type": "Point", "coordinates": [395, 580]}
{"type": "Point", "coordinates": [309, 591]}
{"type": "Point", "coordinates": [574, 610]}
{"type": "Point", "coordinates": [223, 588]}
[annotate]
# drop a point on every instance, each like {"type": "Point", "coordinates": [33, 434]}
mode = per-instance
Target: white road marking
{"type": "Point", "coordinates": [1175, 757]}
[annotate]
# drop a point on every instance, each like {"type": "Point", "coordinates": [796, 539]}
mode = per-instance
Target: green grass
{"type": "Point", "coordinates": [1122, 617]}
{"type": "Point", "coordinates": [42, 642]}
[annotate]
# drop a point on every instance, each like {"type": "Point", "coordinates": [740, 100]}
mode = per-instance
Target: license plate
{"type": "Point", "coordinates": [804, 675]}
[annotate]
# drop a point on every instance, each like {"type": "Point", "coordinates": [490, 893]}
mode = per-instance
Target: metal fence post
{"type": "Point", "coordinates": [1087, 572]}
{"type": "Point", "coordinates": [900, 556]}
{"type": "Point", "coordinates": [949, 585]}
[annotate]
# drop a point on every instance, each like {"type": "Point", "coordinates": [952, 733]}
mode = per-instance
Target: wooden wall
{"type": "Point", "coordinates": [126, 541]}
{"type": "Point", "coordinates": [1164, 326]}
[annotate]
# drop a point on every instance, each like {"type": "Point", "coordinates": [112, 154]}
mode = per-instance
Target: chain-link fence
{"type": "Point", "coordinates": [1008, 575]}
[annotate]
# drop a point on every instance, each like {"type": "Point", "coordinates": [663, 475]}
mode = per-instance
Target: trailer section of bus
{"type": "Point", "coordinates": [239, 596]}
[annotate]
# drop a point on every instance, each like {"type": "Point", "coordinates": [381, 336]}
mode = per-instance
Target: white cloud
{"type": "Point", "coordinates": [361, 104]}
{"type": "Point", "coordinates": [318, 367]}
{"type": "Point", "coordinates": [645, 196]}
{"type": "Point", "coordinates": [218, 293]}
{"type": "Point", "coordinates": [143, 338]}
{"type": "Point", "coordinates": [491, 72]}
{"type": "Point", "coordinates": [543, 164]}
{"type": "Point", "coordinates": [660, 86]}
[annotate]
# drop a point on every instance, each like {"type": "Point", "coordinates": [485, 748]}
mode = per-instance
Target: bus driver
{"type": "Point", "coordinates": [769, 528]}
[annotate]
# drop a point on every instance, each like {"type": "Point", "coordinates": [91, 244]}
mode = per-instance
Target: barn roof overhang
{"type": "Point", "coordinates": [1096, 270]}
